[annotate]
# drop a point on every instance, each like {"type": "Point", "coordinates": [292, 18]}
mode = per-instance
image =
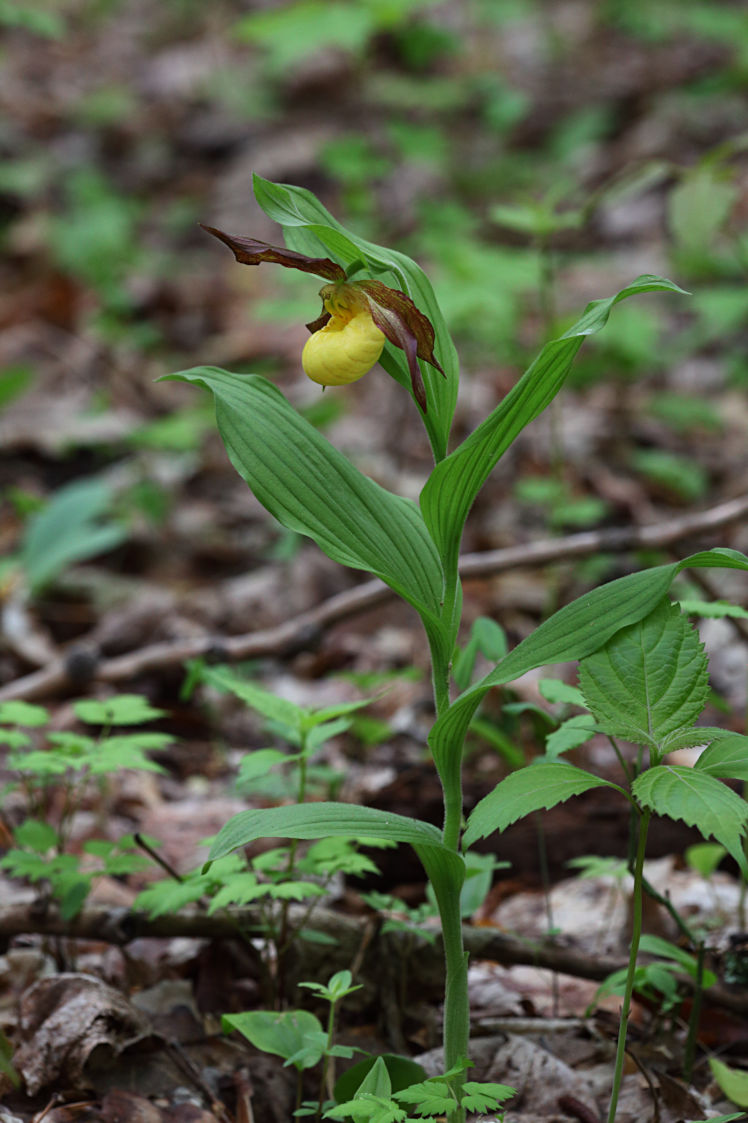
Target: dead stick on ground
{"type": "Point", "coordinates": [119, 926]}
{"type": "Point", "coordinates": [81, 666]}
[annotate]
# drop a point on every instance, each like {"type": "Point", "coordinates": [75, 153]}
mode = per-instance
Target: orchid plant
{"type": "Point", "coordinates": [379, 305]}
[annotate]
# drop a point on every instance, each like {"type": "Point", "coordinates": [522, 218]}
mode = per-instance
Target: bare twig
{"type": "Point", "coordinates": [81, 666]}
{"type": "Point", "coordinates": [119, 926]}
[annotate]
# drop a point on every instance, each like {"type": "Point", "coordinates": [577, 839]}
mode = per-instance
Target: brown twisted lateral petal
{"type": "Point", "coordinates": [397, 316]}
{"type": "Point", "coordinates": [250, 251]}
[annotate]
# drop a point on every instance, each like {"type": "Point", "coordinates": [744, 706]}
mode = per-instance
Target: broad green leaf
{"type": "Point", "coordinates": [722, 1118]}
{"type": "Point", "coordinates": [309, 228]}
{"type": "Point", "coordinates": [69, 528]}
{"type": "Point", "coordinates": [454, 483]}
{"type": "Point", "coordinates": [284, 1034]}
{"type": "Point", "coordinates": [378, 1075]}
{"type": "Point", "coordinates": [310, 487]}
{"type": "Point", "coordinates": [17, 712]}
{"type": "Point", "coordinates": [540, 785]}
{"type": "Point", "coordinates": [699, 800]}
{"type": "Point", "coordinates": [732, 1081]}
{"type": "Point", "coordinates": [445, 868]}
{"type": "Point", "coordinates": [650, 680]}
{"type": "Point", "coordinates": [727, 757]}
{"type": "Point", "coordinates": [575, 631]}
{"type": "Point", "coordinates": [704, 857]}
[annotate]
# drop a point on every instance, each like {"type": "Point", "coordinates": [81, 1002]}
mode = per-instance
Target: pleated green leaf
{"type": "Point", "coordinates": [540, 785]}
{"type": "Point", "coordinates": [699, 800]}
{"type": "Point", "coordinates": [650, 680]}
{"type": "Point", "coordinates": [309, 228]}
{"type": "Point", "coordinates": [454, 484]}
{"type": "Point", "coordinates": [575, 631]}
{"type": "Point", "coordinates": [312, 488]}
{"type": "Point", "coordinates": [726, 757]}
{"type": "Point", "coordinates": [343, 820]}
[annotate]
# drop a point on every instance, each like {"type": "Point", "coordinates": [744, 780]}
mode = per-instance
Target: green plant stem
{"type": "Point", "coordinates": [327, 1058]}
{"type": "Point", "coordinates": [283, 938]}
{"type": "Point", "coordinates": [644, 818]}
{"type": "Point", "coordinates": [693, 1021]}
{"type": "Point", "coordinates": [456, 1005]}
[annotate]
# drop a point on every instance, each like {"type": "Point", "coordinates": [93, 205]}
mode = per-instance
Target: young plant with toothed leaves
{"type": "Point", "coordinates": [313, 489]}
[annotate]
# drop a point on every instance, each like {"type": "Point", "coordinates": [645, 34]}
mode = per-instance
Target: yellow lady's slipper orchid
{"type": "Point", "coordinates": [357, 317]}
{"type": "Point", "coordinates": [348, 345]}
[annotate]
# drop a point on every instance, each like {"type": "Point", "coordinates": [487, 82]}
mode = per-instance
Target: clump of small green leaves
{"type": "Point", "coordinates": [283, 875]}
{"type": "Point", "coordinates": [50, 764]}
{"type": "Point", "coordinates": [376, 1102]}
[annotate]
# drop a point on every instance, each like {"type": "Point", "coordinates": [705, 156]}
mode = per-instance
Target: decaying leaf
{"type": "Point", "coordinates": [63, 1019]}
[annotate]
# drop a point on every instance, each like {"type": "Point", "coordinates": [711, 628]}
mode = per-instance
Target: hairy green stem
{"type": "Point", "coordinates": [636, 932]}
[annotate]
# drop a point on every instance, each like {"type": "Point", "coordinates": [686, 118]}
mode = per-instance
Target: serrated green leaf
{"type": "Point", "coordinates": [122, 709]}
{"type": "Point", "coordinates": [14, 739]}
{"type": "Point", "coordinates": [540, 785]}
{"type": "Point", "coordinates": [650, 680]}
{"type": "Point", "coordinates": [454, 484]}
{"type": "Point", "coordinates": [554, 690]}
{"type": "Point", "coordinates": [727, 757]}
{"type": "Point", "coordinates": [431, 1097]}
{"type": "Point", "coordinates": [259, 763]}
{"type": "Point", "coordinates": [691, 738]}
{"type": "Point", "coordinates": [311, 229]}
{"type": "Point", "coordinates": [575, 631]}
{"type": "Point", "coordinates": [36, 835]}
{"type": "Point", "coordinates": [699, 800]}
{"type": "Point", "coordinates": [716, 610]}
{"type": "Point", "coordinates": [484, 1097]}
{"type": "Point", "coordinates": [310, 487]}
{"type": "Point", "coordinates": [569, 735]}
{"type": "Point", "coordinates": [170, 896]}
{"type": "Point", "coordinates": [263, 701]}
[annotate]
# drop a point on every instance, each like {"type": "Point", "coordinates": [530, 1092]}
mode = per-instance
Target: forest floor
{"type": "Point", "coordinates": [531, 158]}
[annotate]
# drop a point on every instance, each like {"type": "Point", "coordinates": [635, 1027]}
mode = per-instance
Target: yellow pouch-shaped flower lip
{"type": "Point", "coordinates": [342, 351]}
{"type": "Point", "coordinates": [348, 349]}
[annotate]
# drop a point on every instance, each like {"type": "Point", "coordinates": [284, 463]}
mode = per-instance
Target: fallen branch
{"type": "Point", "coordinates": [120, 926]}
{"type": "Point", "coordinates": [81, 665]}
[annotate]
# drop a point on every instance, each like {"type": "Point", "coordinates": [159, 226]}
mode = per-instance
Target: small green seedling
{"type": "Point", "coordinates": [67, 763]}
{"type": "Point", "coordinates": [299, 1037]}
